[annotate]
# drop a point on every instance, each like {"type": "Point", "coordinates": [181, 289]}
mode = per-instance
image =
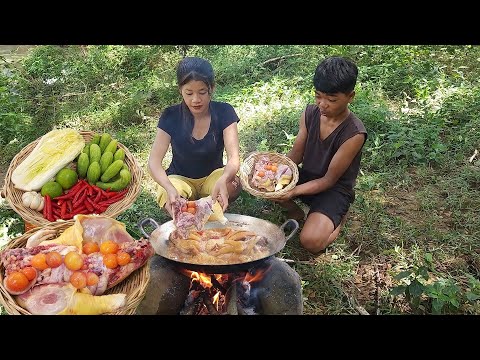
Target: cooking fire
{"type": "Point", "coordinates": [269, 288]}
{"type": "Point", "coordinates": [219, 294]}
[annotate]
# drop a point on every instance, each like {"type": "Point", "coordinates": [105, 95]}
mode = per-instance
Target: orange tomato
{"type": "Point", "coordinates": [92, 279]}
{"type": "Point", "coordinates": [16, 281]}
{"type": "Point", "coordinates": [73, 261]}
{"type": "Point", "coordinates": [261, 173]}
{"type": "Point", "coordinates": [53, 259]}
{"type": "Point", "coordinates": [184, 209]}
{"type": "Point", "coordinates": [191, 204]}
{"type": "Point", "coordinates": [268, 167]}
{"type": "Point", "coordinates": [274, 168]}
{"type": "Point", "coordinates": [110, 261]}
{"type": "Point", "coordinates": [123, 258]}
{"type": "Point", "coordinates": [78, 279]}
{"type": "Point", "coordinates": [191, 210]}
{"type": "Point", "coordinates": [90, 247]}
{"type": "Point", "coordinates": [108, 247]}
{"type": "Point", "coordinates": [39, 261]}
{"type": "Point", "coordinates": [29, 272]}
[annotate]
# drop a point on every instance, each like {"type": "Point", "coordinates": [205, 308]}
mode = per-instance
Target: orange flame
{"type": "Point", "coordinates": [257, 277]}
{"type": "Point", "coordinates": [216, 298]}
{"type": "Point", "coordinates": [202, 278]}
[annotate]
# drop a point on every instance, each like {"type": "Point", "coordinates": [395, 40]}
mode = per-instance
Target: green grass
{"type": "Point", "coordinates": [417, 193]}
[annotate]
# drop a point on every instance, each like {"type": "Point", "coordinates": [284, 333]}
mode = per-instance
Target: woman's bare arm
{"type": "Point", "coordinates": [159, 149]}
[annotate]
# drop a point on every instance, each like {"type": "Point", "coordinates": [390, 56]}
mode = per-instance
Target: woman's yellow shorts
{"type": "Point", "coordinates": [190, 189]}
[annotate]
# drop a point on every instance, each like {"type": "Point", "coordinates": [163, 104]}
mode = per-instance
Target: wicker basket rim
{"type": "Point", "coordinates": [135, 285]}
{"type": "Point", "coordinates": [13, 195]}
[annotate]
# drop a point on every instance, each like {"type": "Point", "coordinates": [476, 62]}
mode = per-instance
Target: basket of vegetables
{"type": "Point", "coordinates": [68, 172]}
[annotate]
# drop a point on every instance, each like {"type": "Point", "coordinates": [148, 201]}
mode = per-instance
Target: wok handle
{"type": "Point", "coordinates": [295, 228]}
{"type": "Point", "coordinates": [145, 221]}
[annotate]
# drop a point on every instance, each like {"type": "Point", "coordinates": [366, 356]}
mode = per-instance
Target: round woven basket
{"type": "Point", "coordinates": [247, 170]}
{"type": "Point", "coordinates": [35, 218]}
{"type": "Point", "coordinates": [134, 286]}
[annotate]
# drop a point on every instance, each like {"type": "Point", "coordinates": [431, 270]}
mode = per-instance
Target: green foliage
{"type": "Point", "coordinates": [439, 296]}
{"type": "Point", "coordinates": [420, 106]}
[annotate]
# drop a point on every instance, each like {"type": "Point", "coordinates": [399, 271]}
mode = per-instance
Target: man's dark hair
{"type": "Point", "coordinates": [194, 68]}
{"type": "Point", "coordinates": [335, 74]}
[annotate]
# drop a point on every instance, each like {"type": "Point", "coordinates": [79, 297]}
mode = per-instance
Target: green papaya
{"type": "Point", "coordinates": [95, 153]}
{"type": "Point", "coordinates": [112, 146]}
{"type": "Point", "coordinates": [93, 172]}
{"type": "Point", "coordinates": [82, 165]}
{"type": "Point", "coordinates": [105, 161]}
{"type": "Point", "coordinates": [112, 170]}
{"type": "Point", "coordinates": [95, 139]}
{"type": "Point", "coordinates": [119, 155]}
{"type": "Point", "coordinates": [104, 141]}
{"type": "Point", "coordinates": [86, 149]}
{"type": "Point", "coordinates": [119, 184]}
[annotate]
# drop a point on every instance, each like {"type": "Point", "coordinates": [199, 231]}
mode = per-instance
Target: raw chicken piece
{"type": "Point", "coordinates": [54, 299]}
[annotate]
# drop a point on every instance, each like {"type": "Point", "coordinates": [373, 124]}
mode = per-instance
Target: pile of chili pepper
{"type": "Point", "coordinates": [82, 198]}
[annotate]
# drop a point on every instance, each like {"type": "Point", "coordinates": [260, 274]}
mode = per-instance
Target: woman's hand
{"type": "Point", "coordinates": [220, 192]}
{"type": "Point", "coordinates": [172, 196]}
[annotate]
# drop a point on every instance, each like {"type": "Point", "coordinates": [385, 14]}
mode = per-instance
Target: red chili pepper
{"type": "Point", "coordinates": [88, 206]}
{"type": "Point", "coordinates": [81, 200]}
{"type": "Point", "coordinates": [69, 205]}
{"type": "Point", "coordinates": [45, 208]}
{"type": "Point", "coordinates": [80, 210]}
{"type": "Point", "coordinates": [48, 203]}
{"type": "Point", "coordinates": [95, 206]}
{"type": "Point", "coordinates": [63, 210]}
{"type": "Point", "coordinates": [103, 208]}
{"type": "Point", "coordinates": [79, 193]}
{"type": "Point", "coordinates": [99, 195]}
{"type": "Point", "coordinates": [55, 205]}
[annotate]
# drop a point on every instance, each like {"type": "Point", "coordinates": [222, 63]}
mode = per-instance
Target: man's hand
{"type": "Point", "coordinates": [285, 197]}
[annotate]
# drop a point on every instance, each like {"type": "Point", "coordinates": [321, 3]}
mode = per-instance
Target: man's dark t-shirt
{"type": "Point", "coordinates": [194, 158]}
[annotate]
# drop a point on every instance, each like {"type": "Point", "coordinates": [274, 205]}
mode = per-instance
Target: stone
{"type": "Point", "coordinates": [279, 292]}
{"type": "Point", "coordinates": [166, 291]}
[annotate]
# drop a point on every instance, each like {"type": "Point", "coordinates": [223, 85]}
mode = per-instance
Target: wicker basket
{"type": "Point", "coordinates": [35, 218]}
{"type": "Point", "coordinates": [134, 286]}
{"type": "Point", "coordinates": [248, 165]}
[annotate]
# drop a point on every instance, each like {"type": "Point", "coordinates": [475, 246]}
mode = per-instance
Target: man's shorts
{"type": "Point", "coordinates": [333, 203]}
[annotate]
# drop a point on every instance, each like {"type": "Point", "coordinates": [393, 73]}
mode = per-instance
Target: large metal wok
{"type": "Point", "coordinates": [275, 235]}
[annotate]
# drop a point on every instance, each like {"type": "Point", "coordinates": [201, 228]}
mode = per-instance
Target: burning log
{"type": "Point", "coordinates": [216, 284]}
{"type": "Point", "coordinates": [231, 300]}
{"type": "Point", "coordinates": [211, 309]}
{"type": "Point", "coordinates": [193, 303]}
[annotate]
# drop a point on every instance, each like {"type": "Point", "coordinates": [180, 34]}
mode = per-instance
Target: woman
{"type": "Point", "coordinates": [198, 129]}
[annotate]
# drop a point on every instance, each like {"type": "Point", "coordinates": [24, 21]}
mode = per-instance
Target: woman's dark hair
{"type": "Point", "coordinates": [335, 74]}
{"type": "Point", "coordinates": [198, 69]}
{"type": "Point", "coordinates": [194, 68]}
